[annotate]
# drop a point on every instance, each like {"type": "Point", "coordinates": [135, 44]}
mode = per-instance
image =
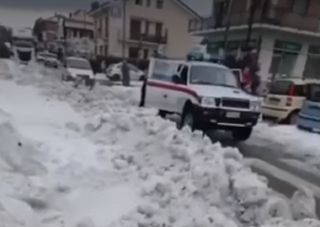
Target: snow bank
{"type": "Point", "coordinates": [290, 140]}
{"type": "Point", "coordinates": [108, 163]}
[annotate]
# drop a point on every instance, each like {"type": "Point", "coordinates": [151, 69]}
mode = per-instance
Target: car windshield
{"type": "Point", "coordinates": [78, 64]}
{"type": "Point", "coordinates": [280, 87]}
{"type": "Point", "coordinates": [47, 55]}
{"type": "Point", "coordinates": [314, 93]}
{"type": "Point", "coordinates": [211, 75]}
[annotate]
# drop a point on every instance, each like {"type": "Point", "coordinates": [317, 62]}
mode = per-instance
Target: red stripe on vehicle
{"type": "Point", "coordinates": [174, 87]}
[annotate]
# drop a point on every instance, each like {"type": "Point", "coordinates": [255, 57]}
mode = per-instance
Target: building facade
{"type": "Point", "coordinates": [70, 33]}
{"type": "Point", "coordinates": [149, 26]}
{"type": "Point", "coordinates": [285, 32]}
{"type": "Point", "coordinates": [79, 24]}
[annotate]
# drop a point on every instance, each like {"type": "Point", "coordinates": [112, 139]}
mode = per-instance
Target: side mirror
{"type": "Point", "coordinates": [176, 79]}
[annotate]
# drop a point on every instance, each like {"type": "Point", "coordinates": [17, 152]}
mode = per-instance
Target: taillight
{"type": "Point", "coordinates": [292, 92]}
{"type": "Point", "coordinates": [289, 101]}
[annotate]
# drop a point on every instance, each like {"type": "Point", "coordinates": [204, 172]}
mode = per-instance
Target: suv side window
{"type": "Point", "coordinates": [184, 74]}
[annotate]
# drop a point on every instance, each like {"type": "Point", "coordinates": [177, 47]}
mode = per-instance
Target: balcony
{"type": "Point", "coordinates": [147, 39]}
{"type": "Point", "coordinates": [158, 39]}
{"type": "Point", "coordinates": [273, 17]}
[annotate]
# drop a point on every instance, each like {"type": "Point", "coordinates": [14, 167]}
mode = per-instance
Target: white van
{"type": "Point", "coordinates": [205, 95]}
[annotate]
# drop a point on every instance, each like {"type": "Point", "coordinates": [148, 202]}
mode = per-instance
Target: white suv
{"type": "Point", "coordinates": [205, 95]}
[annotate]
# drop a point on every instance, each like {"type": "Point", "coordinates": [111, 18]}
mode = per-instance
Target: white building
{"type": "Point", "coordinates": [150, 25]}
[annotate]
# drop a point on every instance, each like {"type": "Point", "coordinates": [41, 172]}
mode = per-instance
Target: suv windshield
{"type": "Point", "coordinates": [211, 75]}
{"type": "Point", "coordinates": [78, 64]}
{"type": "Point", "coordinates": [280, 87]}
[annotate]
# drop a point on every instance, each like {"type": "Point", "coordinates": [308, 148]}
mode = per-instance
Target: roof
{"type": "Point", "coordinates": [76, 59]}
{"type": "Point", "coordinates": [204, 63]}
{"type": "Point", "coordinates": [180, 3]}
{"type": "Point", "coordinates": [186, 7]}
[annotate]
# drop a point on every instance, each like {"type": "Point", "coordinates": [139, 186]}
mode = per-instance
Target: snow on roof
{"type": "Point", "coordinates": [76, 58]}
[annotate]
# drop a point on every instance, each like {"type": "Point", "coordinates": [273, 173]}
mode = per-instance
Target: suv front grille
{"type": "Point", "coordinates": [236, 103]}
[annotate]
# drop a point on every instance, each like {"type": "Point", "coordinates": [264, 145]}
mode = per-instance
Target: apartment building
{"type": "Point", "coordinates": [149, 26]}
{"type": "Point", "coordinates": [285, 32]}
{"type": "Point", "coordinates": [69, 33]}
{"type": "Point", "coordinates": [79, 24]}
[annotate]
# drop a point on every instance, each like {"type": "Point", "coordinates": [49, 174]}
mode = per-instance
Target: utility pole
{"type": "Point", "coordinates": [226, 33]}
{"type": "Point", "coordinates": [124, 28]}
{"type": "Point", "coordinates": [253, 7]}
{"type": "Point", "coordinates": [125, 69]}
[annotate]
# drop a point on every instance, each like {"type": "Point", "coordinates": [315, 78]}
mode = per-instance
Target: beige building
{"type": "Point", "coordinates": [79, 25]}
{"type": "Point", "coordinates": [150, 25]}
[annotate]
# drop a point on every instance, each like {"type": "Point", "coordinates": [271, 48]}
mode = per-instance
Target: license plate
{"type": "Point", "coordinates": [274, 100]}
{"type": "Point", "coordinates": [233, 115]}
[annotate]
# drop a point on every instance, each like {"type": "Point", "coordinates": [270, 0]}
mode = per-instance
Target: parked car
{"type": "Point", "coordinates": [75, 67]}
{"type": "Point", "coordinates": [284, 100]}
{"type": "Point", "coordinates": [205, 95]}
{"type": "Point", "coordinates": [49, 59]}
{"type": "Point", "coordinates": [309, 117]}
{"type": "Point", "coordinates": [114, 72]}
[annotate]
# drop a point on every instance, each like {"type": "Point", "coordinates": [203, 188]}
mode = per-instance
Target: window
{"type": "Point", "coordinates": [148, 3]}
{"type": "Point", "coordinates": [145, 54]}
{"type": "Point", "coordinates": [184, 74]}
{"type": "Point", "coordinates": [314, 92]}
{"type": "Point", "coordinates": [78, 63]}
{"type": "Point", "coordinates": [133, 52]}
{"type": "Point", "coordinates": [281, 87]}
{"type": "Point", "coordinates": [300, 90]}
{"type": "Point", "coordinates": [210, 75]}
{"type": "Point", "coordinates": [133, 68]}
{"type": "Point", "coordinates": [300, 6]}
{"type": "Point", "coordinates": [159, 4]}
{"type": "Point", "coordinates": [139, 2]}
{"type": "Point", "coordinates": [283, 63]}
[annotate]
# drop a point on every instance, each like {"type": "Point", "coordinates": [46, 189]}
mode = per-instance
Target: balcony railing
{"type": "Point", "coordinates": [273, 17]}
{"type": "Point", "coordinates": [160, 39]}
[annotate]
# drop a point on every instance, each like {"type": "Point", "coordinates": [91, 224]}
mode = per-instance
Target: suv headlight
{"type": "Point", "coordinates": [256, 106]}
{"type": "Point", "coordinates": [208, 101]}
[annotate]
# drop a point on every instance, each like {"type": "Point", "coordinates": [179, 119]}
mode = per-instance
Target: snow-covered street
{"type": "Point", "coordinates": [79, 158]}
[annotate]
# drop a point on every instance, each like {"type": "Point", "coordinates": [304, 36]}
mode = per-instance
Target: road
{"type": "Point", "coordinates": [270, 162]}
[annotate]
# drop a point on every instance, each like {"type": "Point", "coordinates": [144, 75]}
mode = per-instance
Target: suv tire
{"type": "Point", "coordinates": [293, 118]}
{"type": "Point", "coordinates": [187, 119]}
{"type": "Point", "coordinates": [162, 114]}
{"type": "Point", "coordinates": [241, 134]}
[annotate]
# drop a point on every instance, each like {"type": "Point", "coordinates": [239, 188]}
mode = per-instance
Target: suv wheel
{"type": "Point", "coordinates": [293, 118]}
{"type": "Point", "coordinates": [187, 119]}
{"type": "Point", "coordinates": [241, 134]}
{"type": "Point", "coordinates": [162, 114]}
{"type": "Point", "coordinates": [115, 77]}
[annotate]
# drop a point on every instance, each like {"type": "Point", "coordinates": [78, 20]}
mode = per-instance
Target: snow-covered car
{"type": "Point", "coordinates": [49, 59]}
{"type": "Point", "coordinates": [309, 116]}
{"type": "Point", "coordinates": [114, 72]}
{"type": "Point", "coordinates": [205, 95]}
{"type": "Point", "coordinates": [75, 67]}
